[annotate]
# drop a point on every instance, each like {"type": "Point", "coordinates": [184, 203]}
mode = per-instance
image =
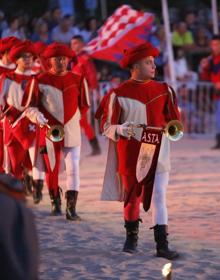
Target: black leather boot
{"type": "Point", "coordinates": [55, 202]}
{"type": "Point", "coordinates": [132, 229]}
{"type": "Point", "coordinates": [160, 236]}
{"type": "Point", "coordinates": [37, 190]}
{"type": "Point", "coordinates": [28, 183]}
{"type": "Point", "coordinates": [71, 199]}
{"type": "Point", "coordinates": [95, 147]}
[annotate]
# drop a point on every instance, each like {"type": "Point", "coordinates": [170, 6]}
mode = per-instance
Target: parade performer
{"type": "Point", "coordinates": [139, 100]}
{"type": "Point", "coordinates": [210, 71]}
{"type": "Point", "coordinates": [84, 66]}
{"type": "Point", "coordinates": [61, 98]}
{"type": "Point", "coordinates": [20, 138]}
{"type": "Point", "coordinates": [5, 66]}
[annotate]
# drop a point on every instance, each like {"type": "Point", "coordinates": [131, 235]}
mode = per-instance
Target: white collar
{"type": "Point", "coordinates": [27, 72]}
{"type": "Point", "coordinates": [10, 66]}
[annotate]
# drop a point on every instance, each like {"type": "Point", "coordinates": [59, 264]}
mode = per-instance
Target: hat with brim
{"type": "Point", "coordinates": [137, 53]}
{"type": "Point", "coordinates": [23, 47]}
{"type": "Point", "coordinates": [58, 49]}
{"type": "Point", "coordinates": [7, 43]}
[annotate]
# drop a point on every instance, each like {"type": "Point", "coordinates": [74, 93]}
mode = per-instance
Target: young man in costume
{"type": "Point", "coordinates": [84, 66]}
{"type": "Point", "coordinates": [60, 98]}
{"type": "Point", "coordinates": [19, 137]}
{"type": "Point", "coordinates": [139, 101]}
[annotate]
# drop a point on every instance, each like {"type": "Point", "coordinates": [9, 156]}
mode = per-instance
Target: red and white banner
{"type": "Point", "coordinates": [147, 162]}
{"type": "Point", "coordinates": [124, 29]}
{"type": "Point", "coordinates": [25, 132]}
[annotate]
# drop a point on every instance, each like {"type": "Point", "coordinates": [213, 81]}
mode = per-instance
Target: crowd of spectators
{"type": "Point", "coordinates": [191, 33]}
{"type": "Point", "coordinates": [191, 29]}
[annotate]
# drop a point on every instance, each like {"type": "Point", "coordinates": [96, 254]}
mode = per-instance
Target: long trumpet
{"type": "Point", "coordinates": [173, 130]}
{"type": "Point", "coordinates": [55, 133]}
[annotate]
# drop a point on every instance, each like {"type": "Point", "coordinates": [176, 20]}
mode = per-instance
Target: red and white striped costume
{"type": "Point", "coordinates": [151, 103]}
{"type": "Point", "coordinates": [62, 99]}
{"type": "Point", "coordinates": [12, 90]}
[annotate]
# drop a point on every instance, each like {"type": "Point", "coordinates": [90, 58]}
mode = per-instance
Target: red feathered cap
{"type": "Point", "coordinates": [22, 47]}
{"type": "Point", "coordinates": [39, 47]}
{"type": "Point", "coordinates": [137, 53]}
{"type": "Point", "coordinates": [58, 49]}
{"type": "Point", "coordinates": [7, 43]}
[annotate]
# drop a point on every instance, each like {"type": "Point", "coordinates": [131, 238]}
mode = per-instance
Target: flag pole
{"type": "Point", "coordinates": [169, 43]}
{"type": "Point", "coordinates": [104, 12]}
{"type": "Point", "coordinates": [215, 17]}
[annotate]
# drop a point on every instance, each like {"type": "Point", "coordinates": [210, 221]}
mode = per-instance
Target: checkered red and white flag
{"type": "Point", "coordinates": [125, 28]}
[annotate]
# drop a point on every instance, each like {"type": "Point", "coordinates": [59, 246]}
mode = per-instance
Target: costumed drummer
{"type": "Point", "coordinates": [133, 173]}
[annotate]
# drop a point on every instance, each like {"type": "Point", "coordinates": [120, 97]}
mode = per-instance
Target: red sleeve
{"type": "Point", "coordinates": [100, 110]}
{"type": "Point", "coordinates": [84, 101]}
{"type": "Point", "coordinates": [112, 111]}
{"type": "Point", "coordinates": [172, 110]}
{"type": "Point", "coordinates": [90, 74]}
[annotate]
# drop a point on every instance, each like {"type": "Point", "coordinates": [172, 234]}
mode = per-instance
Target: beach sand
{"type": "Point", "coordinates": [92, 248]}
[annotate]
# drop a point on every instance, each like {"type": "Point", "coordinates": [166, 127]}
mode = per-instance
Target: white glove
{"type": "Point", "coordinates": [41, 120]}
{"type": "Point", "coordinates": [126, 129]}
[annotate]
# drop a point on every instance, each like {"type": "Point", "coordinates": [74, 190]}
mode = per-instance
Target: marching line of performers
{"type": "Point", "coordinates": [30, 102]}
{"type": "Point", "coordinates": [35, 89]}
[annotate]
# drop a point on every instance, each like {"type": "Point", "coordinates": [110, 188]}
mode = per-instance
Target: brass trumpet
{"type": "Point", "coordinates": [55, 133]}
{"type": "Point", "coordinates": [173, 130]}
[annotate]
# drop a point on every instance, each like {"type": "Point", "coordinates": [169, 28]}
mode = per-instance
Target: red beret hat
{"type": "Point", "coordinates": [7, 43]}
{"type": "Point", "coordinates": [58, 49]}
{"type": "Point", "coordinates": [22, 47]}
{"type": "Point", "coordinates": [39, 47]}
{"type": "Point", "coordinates": [135, 54]}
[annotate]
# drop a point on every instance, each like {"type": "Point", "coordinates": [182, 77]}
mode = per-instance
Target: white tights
{"type": "Point", "coordinates": [158, 203]}
{"type": "Point", "coordinates": [38, 164]}
{"type": "Point", "coordinates": [71, 159]}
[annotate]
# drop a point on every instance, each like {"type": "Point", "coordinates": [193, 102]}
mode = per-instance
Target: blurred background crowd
{"type": "Point", "coordinates": [48, 21]}
{"type": "Point", "coordinates": [191, 27]}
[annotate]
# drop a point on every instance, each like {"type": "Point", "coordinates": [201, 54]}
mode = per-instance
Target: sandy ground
{"type": "Point", "coordinates": [92, 249]}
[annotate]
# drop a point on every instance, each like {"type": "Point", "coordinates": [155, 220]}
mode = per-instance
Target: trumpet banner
{"type": "Point", "coordinates": [147, 162]}
{"type": "Point", "coordinates": [25, 132]}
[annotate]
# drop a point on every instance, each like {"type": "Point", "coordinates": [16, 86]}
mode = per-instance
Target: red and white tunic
{"type": "Point", "coordinates": [62, 99]}
{"type": "Point", "coordinates": [13, 85]}
{"type": "Point", "coordinates": [151, 103]}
